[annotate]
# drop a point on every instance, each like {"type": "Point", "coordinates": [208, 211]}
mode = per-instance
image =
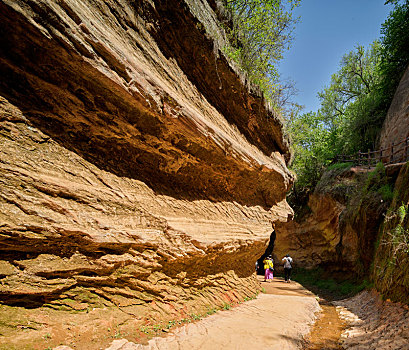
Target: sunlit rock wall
{"type": "Point", "coordinates": [138, 170]}
{"type": "Point", "coordinates": [314, 240]}
{"type": "Point", "coordinates": [350, 228]}
{"type": "Point", "coordinates": [339, 227]}
{"type": "Point", "coordinates": [396, 126]}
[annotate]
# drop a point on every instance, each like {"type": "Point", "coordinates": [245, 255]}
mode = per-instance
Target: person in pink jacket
{"type": "Point", "coordinates": [268, 268]}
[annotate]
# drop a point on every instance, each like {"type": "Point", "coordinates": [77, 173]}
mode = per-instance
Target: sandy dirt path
{"type": "Point", "coordinates": [277, 319]}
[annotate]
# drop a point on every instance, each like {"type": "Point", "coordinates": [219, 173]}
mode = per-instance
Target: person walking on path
{"type": "Point", "coordinates": [268, 268]}
{"type": "Point", "coordinates": [287, 267]}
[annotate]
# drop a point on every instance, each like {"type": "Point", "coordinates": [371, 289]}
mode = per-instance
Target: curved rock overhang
{"type": "Point", "coordinates": [159, 108]}
{"type": "Point", "coordinates": [136, 166]}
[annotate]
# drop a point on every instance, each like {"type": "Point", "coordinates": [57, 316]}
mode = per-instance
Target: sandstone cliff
{"type": "Point", "coordinates": [396, 125]}
{"type": "Point", "coordinates": [390, 271]}
{"type": "Point", "coordinates": [323, 236]}
{"type": "Point", "coordinates": [340, 229]}
{"type": "Point", "coordinates": [356, 228]}
{"type": "Point", "coordinates": [139, 173]}
{"type": "Point", "coordinates": [356, 222]}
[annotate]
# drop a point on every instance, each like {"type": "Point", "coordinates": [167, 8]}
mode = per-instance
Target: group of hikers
{"type": "Point", "coordinates": [269, 268]}
{"type": "Point", "coordinates": [268, 262]}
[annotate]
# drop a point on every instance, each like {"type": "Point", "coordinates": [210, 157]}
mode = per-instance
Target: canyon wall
{"type": "Point", "coordinates": [390, 271]}
{"type": "Point", "coordinates": [390, 268]}
{"type": "Point", "coordinates": [140, 171]}
{"type": "Point", "coordinates": [321, 236]}
{"type": "Point", "coordinates": [356, 227]}
{"type": "Point", "coordinates": [396, 124]}
{"type": "Point", "coordinates": [351, 221]}
{"type": "Point", "coordinates": [341, 228]}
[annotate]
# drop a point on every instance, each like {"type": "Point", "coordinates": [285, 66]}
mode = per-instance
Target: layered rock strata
{"type": "Point", "coordinates": [339, 230]}
{"type": "Point", "coordinates": [138, 172]}
{"type": "Point", "coordinates": [357, 227]}
{"type": "Point", "coordinates": [323, 235]}
{"type": "Point", "coordinates": [315, 240]}
{"type": "Point", "coordinates": [396, 125]}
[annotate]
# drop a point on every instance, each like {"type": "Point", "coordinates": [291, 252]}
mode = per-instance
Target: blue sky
{"type": "Point", "coordinates": [328, 30]}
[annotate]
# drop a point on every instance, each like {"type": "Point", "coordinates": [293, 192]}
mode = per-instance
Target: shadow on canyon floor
{"type": "Point", "coordinates": [330, 286]}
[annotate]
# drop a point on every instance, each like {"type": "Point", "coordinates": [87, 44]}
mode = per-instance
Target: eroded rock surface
{"type": "Point", "coordinates": [327, 232]}
{"type": "Point", "coordinates": [315, 239]}
{"type": "Point", "coordinates": [91, 76]}
{"type": "Point", "coordinates": [138, 174]}
{"type": "Point", "coordinates": [342, 222]}
{"type": "Point", "coordinates": [395, 128]}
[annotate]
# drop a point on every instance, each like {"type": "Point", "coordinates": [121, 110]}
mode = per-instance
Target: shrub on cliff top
{"type": "Point", "coordinates": [261, 31]}
{"type": "Point", "coordinates": [378, 182]}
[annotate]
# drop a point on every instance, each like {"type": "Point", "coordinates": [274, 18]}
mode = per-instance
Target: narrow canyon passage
{"type": "Point", "coordinates": [144, 170]}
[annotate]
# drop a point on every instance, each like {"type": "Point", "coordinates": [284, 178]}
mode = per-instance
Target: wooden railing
{"type": "Point", "coordinates": [396, 153]}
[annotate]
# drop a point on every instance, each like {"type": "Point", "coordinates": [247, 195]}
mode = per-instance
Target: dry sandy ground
{"type": "Point", "coordinates": [282, 317]}
{"type": "Point", "coordinates": [373, 323]}
{"type": "Point", "coordinates": [277, 319]}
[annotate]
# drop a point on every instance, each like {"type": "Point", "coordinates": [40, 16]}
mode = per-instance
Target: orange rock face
{"type": "Point", "coordinates": [137, 171]}
{"type": "Point", "coordinates": [332, 233]}
{"type": "Point", "coordinates": [317, 238]}
{"type": "Point", "coordinates": [340, 230]}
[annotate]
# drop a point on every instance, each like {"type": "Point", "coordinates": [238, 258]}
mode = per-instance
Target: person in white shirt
{"type": "Point", "coordinates": [287, 267]}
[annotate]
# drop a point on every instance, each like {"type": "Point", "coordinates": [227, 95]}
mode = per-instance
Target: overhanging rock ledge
{"type": "Point", "coordinates": [137, 169]}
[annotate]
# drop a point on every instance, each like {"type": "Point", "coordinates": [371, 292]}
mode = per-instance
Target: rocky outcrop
{"type": "Point", "coordinates": [340, 228]}
{"type": "Point", "coordinates": [93, 78]}
{"type": "Point", "coordinates": [139, 174]}
{"type": "Point", "coordinates": [395, 128]}
{"type": "Point", "coordinates": [390, 271]}
{"type": "Point", "coordinates": [321, 237]}
{"type": "Point", "coordinates": [357, 226]}
{"type": "Point", "coordinates": [315, 240]}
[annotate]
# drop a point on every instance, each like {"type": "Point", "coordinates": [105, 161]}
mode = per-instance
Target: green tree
{"type": "Point", "coordinates": [395, 47]}
{"type": "Point", "coordinates": [261, 31]}
{"type": "Point", "coordinates": [345, 122]}
{"type": "Point", "coordinates": [349, 105]}
{"type": "Point", "coordinates": [310, 142]}
{"type": "Point", "coordinates": [354, 105]}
